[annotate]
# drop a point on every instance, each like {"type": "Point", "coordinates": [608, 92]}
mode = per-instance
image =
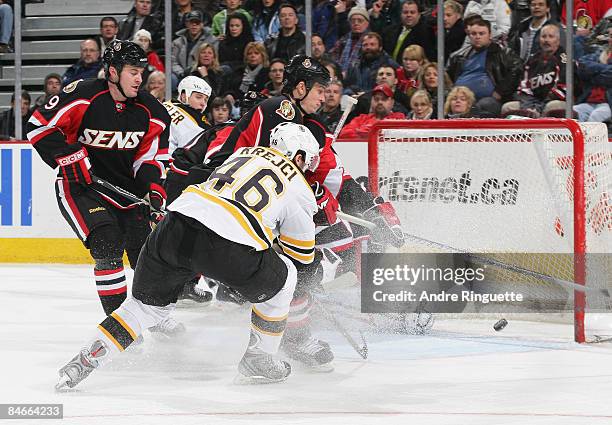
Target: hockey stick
{"type": "Point", "coordinates": [362, 350]}
{"type": "Point", "coordinates": [119, 190]}
{"type": "Point", "coordinates": [355, 220]}
{"type": "Point", "coordinates": [511, 267]}
{"type": "Point", "coordinates": [352, 102]}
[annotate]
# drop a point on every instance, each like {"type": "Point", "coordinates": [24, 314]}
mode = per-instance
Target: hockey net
{"type": "Point", "coordinates": [504, 189]}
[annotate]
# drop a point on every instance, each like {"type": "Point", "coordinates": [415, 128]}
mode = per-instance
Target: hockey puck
{"type": "Point", "coordinates": [500, 324]}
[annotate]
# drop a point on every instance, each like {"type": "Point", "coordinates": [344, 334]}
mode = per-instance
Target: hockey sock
{"type": "Point", "coordinates": [110, 283]}
{"type": "Point", "coordinates": [298, 323]}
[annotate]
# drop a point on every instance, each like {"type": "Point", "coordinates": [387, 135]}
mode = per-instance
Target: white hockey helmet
{"type": "Point", "coordinates": [193, 84]}
{"type": "Point", "coordinates": [290, 139]}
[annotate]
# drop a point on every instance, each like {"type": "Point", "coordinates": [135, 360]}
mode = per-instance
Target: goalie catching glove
{"type": "Point", "coordinates": [388, 229]}
{"type": "Point", "coordinates": [75, 166]}
{"type": "Point", "coordinates": [157, 204]}
{"type": "Point", "coordinates": [327, 203]}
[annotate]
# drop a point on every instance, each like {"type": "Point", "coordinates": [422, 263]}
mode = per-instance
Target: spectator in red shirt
{"type": "Point", "coordinates": [380, 108]}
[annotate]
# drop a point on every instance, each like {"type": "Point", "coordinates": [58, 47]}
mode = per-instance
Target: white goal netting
{"type": "Point", "coordinates": [505, 190]}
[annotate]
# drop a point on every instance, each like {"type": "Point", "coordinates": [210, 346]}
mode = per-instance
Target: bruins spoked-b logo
{"type": "Point", "coordinates": [286, 110]}
{"type": "Point", "coordinates": [307, 63]}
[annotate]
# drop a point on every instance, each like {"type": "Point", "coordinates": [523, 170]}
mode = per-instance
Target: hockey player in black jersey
{"type": "Point", "coordinates": [111, 129]}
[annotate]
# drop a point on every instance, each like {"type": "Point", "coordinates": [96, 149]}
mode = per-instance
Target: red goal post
{"type": "Point", "coordinates": [565, 163]}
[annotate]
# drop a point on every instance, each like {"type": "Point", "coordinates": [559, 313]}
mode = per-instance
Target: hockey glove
{"type": "Point", "coordinates": [75, 167]}
{"type": "Point", "coordinates": [388, 229]}
{"type": "Point", "coordinates": [157, 204]}
{"type": "Point", "coordinates": [328, 205]}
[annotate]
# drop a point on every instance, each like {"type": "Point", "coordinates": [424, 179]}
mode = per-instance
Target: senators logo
{"type": "Point", "coordinates": [286, 110]}
{"type": "Point", "coordinates": [111, 139]}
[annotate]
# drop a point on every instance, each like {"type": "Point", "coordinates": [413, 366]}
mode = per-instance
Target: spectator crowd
{"type": "Point", "coordinates": [501, 58]}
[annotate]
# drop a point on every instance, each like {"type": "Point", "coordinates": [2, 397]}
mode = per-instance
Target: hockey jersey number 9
{"type": "Point", "coordinates": [257, 195]}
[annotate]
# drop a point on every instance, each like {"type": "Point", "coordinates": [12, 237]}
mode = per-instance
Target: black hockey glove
{"type": "Point", "coordinates": [328, 205]}
{"type": "Point", "coordinates": [388, 229]}
{"type": "Point", "coordinates": [157, 204]}
{"type": "Point", "coordinates": [75, 166]}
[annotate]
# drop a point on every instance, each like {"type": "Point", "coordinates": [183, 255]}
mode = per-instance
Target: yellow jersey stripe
{"type": "Point", "coordinates": [297, 242]}
{"type": "Point", "coordinates": [235, 212]}
{"type": "Point", "coordinates": [307, 259]}
{"type": "Point", "coordinates": [125, 325]}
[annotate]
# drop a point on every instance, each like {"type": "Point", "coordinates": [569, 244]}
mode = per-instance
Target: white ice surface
{"type": "Point", "coordinates": [463, 373]}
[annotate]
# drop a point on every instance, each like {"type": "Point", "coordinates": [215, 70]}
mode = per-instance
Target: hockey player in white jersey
{"type": "Point", "coordinates": [187, 112]}
{"type": "Point", "coordinates": [224, 228]}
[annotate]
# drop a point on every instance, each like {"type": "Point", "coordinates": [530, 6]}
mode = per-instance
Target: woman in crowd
{"type": "Point", "coordinates": [429, 81]}
{"type": "Point", "coordinates": [276, 74]}
{"type": "Point", "coordinates": [156, 85]}
{"type": "Point", "coordinates": [256, 64]}
{"type": "Point", "coordinates": [238, 35]}
{"type": "Point", "coordinates": [459, 103]}
{"type": "Point", "coordinates": [206, 66]}
{"type": "Point", "coordinates": [265, 19]}
{"type": "Point", "coordinates": [421, 107]}
{"type": "Point", "coordinates": [413, 59]}
{"type": "Point", "coordinates": [143, 39]}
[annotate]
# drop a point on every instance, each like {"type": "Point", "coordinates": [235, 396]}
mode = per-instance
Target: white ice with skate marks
{"type": "Point", "coordinates": [462, 372]}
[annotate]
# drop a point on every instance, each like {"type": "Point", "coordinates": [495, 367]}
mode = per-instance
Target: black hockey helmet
{"type": "Point", "coordinates": [122, 52]}
{"type": "Point", "coordinates": [250, 100]}
{"type": "Point", "coordinates": [306, 69]}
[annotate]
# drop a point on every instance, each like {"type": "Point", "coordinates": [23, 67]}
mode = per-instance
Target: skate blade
{"type": "Point", "coordinates": [322, 368]}
{"type": "Point", "coordinates": [241, 379]}
{"type": "Point", "coordinates": [62, 384]}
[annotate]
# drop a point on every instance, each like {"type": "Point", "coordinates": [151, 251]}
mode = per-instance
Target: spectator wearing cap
{"type": "Point", "coordinates": [108, 32]}
{"type": "Point", "coordinates": [362, 76]}
{"type": "Point", "coordinates": [87, 66]}
{"type": "Point", "coordinates": [381, 108]}
{"type": "Point", "coordinates": [289, 41]}
{"type": "Point", "coordinates": [219, 24]}
{"type": "Point", "coordinates": [185, 46]}
{"type": "Point", "coordinates": [180, 13]}
{"type": "Point", "coordinates": [143, 39]}
{"type": "Point", "coordinates": [7, 118]}
{"type": "Point", "coordinates": [52, 87]}
{"type": "Point", "coordinates": [384, 75]}
{"type": "Point", "coordinates": [347, 49]}
{"type": "Point", "coordinates": [141, 17]}
{"type": "Point", "coordinates": [413, 29]}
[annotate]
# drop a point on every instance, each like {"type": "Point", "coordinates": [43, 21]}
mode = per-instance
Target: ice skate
{"type": "Point", "coordinates": [168, 329]}
{"type": "Point", "coordinates": [259, 367]}
{"type": "Point", "coordinates": [312, 352]}
{"type": "Point", "coordinates": [81, 365]}
{"type": "Point", "coordinates": [191, 292]}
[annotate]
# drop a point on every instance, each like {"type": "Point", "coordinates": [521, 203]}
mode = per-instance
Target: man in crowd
{"type": "Point", "coordinates": [180, 12]}
{"type": "Point", "coordinates": [413, 30]}
{"type": "Point", "coordinates": [524, 38]}
{"type": "Point", "coordinates": [53, 85]}
{"type": "Point", "coordinates": [142, 17]}
{"type": "Point", "coordinates": [87, 66]}
{"type": "Point", "coordinates": [384, 75]}
{"type": "Point", "coordinates": [290, 41]}
{"type": "Point", "coordinates": [489, 70]}
{"type": "Point", "coordinates": [542, 89]}
{"type": "Point", "coordinates": [108, 32]}
{"type": "Point", "coordinates": [362, 76]}
{"type": "Point", "coordinates": [7, 118]}
{"type": "Point", "coordinates": [380, 109]}
{"type": "Point", "coordinates": [184, 47]}
{"type": "Point", "coordinates": [330, 112]}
